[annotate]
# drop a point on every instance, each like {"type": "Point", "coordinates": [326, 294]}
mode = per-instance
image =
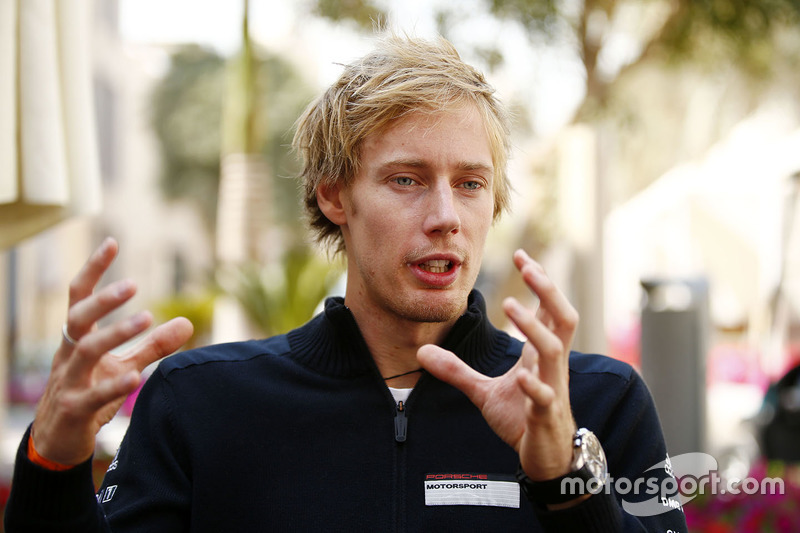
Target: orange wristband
{"type": "Point", "coordinates": [37, 459]}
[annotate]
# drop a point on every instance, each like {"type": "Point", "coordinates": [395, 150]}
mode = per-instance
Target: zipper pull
{"type": "Point", "coordinates": [400, 423]}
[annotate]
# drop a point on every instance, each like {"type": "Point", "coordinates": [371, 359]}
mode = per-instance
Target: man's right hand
{"type": "Point", "coordinates": [87, 383]}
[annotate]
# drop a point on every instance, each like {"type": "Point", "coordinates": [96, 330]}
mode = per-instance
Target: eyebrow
{"type": "Point", "coordinates": [420, 163]}
{"type": "Point", "coordinates": [467, 165]}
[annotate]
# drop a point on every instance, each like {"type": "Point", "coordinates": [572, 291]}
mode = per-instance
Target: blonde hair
{"type": "Point", "coordinates": [402, 75]}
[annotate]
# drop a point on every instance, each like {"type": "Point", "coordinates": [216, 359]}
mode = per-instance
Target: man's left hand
{"type": "Point", "coordinates": [528, 406]}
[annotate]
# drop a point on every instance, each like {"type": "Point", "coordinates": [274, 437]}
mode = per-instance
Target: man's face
{"type": "Point", "coordinates": [417, 214]}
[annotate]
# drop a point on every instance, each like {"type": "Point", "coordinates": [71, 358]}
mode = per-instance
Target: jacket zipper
{"type": "Point", "coordinates": [400, 423]}
{"type": "Point", "coordinates": [400, 473]}
{"type": "Point", "coordinates": [400, 504]}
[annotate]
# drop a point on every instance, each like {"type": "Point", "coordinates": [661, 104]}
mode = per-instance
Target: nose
{"type": "Point", "coordinates": [441, 215]}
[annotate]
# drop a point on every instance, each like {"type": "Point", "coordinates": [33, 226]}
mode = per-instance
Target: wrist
{"type": "Point", "coordinates": [35, 458]}
{"type": "Point", "coordinates": [587, 475]}
{"type": "Point", "coordinates": [555, 462]}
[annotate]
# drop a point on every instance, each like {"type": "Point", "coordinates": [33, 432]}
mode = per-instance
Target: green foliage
{"type": "Point", "coordinates": [726, 30]}
{"type": "Point", "coordinates": [713, 32]}
{"type": "Point", "coordinates": [490, 55]}
{"type": "Point", "coordinates": [282, 297]}
{"type": "Point", "coordinates": [186, 113]}
{"type": "Point", "coordinates": [198, 308]}
{"type": "Point", "coordinates": [242, 129]}
{"type": "Point", "coordinates": [363, 12]}
{"type": "Point", "coordinates": [538, 17]}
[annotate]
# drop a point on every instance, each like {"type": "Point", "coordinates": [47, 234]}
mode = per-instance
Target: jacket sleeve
{"type": "Point", "coordinates": [641, 494]}
{"type": "Point", "coordinates": [45, 500]}
{"type": "Point", "coordinates": [146, 487]}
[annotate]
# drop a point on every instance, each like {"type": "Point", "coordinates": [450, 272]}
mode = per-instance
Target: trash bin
{"type": "Point", "coordinates": [675, 333]}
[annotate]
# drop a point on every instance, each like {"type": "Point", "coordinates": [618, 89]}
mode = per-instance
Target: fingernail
{"type": "Point", "coordinates": [140, 319]}
{"type": "Point", "coordinates": [129, 379]}
{"type": "Point", "coordinates": [512, 305]}
{"type": "Point", "coordinates": [123, 288]}
{"type": "Point", "coordinates": [106, 244]}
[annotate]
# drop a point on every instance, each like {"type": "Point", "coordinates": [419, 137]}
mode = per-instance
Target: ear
{"type": "Point", "coordinates": [329, 199]}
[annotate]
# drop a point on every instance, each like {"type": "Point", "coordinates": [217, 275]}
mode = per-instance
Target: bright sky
{"type": "Point", "coordinates": [212, 22]}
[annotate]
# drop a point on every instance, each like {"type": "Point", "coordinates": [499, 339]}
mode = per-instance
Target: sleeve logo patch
{"type": "Point", "coordinates": [104, 496]}
{"type": "Point", "coordinates": [492, 490]}
{"type": "Point", "coordinates": [114, 463]}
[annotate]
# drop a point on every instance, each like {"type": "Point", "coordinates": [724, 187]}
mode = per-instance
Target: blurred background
{"type": "Point", "coordinates": [656, 170]}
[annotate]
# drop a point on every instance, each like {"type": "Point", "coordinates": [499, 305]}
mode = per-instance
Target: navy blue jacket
{"type": "Point", "coordinates": [300, 433]}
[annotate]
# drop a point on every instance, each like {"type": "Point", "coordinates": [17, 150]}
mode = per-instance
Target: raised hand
{"type": "Point", "coordinates": [528, 407]}
{"type": "Point", "coordinates": [87, 383]}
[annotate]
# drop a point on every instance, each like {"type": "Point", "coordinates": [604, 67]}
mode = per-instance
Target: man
{"type": "Point", "coordinates": [400, 407]}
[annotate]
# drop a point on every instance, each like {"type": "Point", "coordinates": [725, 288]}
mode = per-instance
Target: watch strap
{"type": "Point", "coordinates": [559, 490]}
{"type": "Point", "coordinates": [584, 479]}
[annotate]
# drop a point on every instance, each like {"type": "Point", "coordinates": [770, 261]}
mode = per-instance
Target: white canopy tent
{"type": "Point", "coordinates": [48, 152]}
{"type": "Point", "coordinates": [724, 217]}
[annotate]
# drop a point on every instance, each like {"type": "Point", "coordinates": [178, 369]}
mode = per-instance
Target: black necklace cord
{"type": "Point", "coordinates": [403, 374]}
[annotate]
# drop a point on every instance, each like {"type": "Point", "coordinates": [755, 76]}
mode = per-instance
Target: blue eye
{"type": "Point", "coordinates": [471, 185]}
{"type": "Point", "coordinates": [404, 180]}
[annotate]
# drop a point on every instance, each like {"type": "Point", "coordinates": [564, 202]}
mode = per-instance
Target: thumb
{"type": "Point", "coordinates": [162, 341]}
{"type": "Point", "coordinates": [447, 367]}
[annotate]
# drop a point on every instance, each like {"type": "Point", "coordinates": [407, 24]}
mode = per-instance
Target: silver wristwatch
{"type": "Point", "coordinates": [588, 473]}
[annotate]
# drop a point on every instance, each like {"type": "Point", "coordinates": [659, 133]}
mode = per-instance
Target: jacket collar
{"type": "Point", "coordinates": [331, 342]}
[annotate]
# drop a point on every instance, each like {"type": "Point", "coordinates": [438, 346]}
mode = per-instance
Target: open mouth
{"type": "Point", "coordinates": [436, 266]}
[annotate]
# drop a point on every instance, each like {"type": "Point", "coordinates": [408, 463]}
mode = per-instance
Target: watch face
{"type": "Point", "coordinates": [594, 456]}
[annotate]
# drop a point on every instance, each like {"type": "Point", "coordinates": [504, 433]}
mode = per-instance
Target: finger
{"type": "Point", "coordinates": [544, 317]}
{"type": "Point", "coordinates": [546, 343]}
{"type": "Point", "coordinates": [109, 390]}
{"type": "Point", "coordinates": [84, 283]}
{"type": "Point", "coordinates": [447, 367]}
{"type": "Point", "coordinates": [538, 391]}
{"type": "Point", "coordinates": [82, 316]}
{"type": "Point", "coordinates": [551, 353]}
{"type": "Point", "coordinates": [94, 345]}
{"type": "Point", "coordinates": [161, 342]}
{"type": "Point", "coordinates": [553, 304]}
{"type": "Point", "coordinates": [529, 356]}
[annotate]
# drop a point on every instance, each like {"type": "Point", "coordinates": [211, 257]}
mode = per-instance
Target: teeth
{"type": "Point", "coordinates": [437, 266]}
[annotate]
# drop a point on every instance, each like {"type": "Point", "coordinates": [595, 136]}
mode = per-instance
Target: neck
{"type": "Point", "coordinates": [393, 342]}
